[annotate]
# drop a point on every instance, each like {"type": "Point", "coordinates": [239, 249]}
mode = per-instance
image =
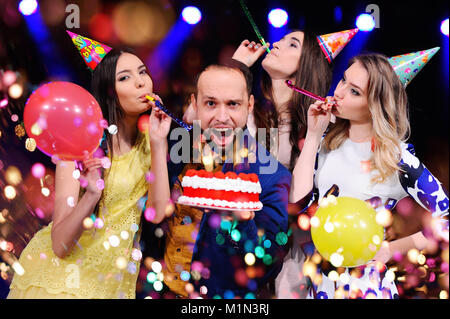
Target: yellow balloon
{"type": "Point", "coordinates": [345, 232]}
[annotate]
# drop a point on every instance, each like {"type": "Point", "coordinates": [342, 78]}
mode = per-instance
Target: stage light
{"type": "Point", "coordinates": [191, 15]}
{"type": "Point", "coordinates": [365, 22]}
{"type": "Point", "coordinates": [444, 27]}
{"type": "Point", "coordinates": [278, 18]}
{"type": "Point", "coordinates": [28, 7]}
{"type": "Point", "coordinates": [338, 14]}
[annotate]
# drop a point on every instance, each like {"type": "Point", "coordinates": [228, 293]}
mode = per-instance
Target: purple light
{"type": "Point", "coordinates": [191, 15]}
{"type": "Point", "coordinates": [278, 18]}
{"type": "Point", "coordinates": [3, 103]}
{"type": "Point", "coordinates": [28, 7]}
{"type": "Point", "coordinates": [444, 27]}
{"type": "Point", "coordinates": [38, 170]}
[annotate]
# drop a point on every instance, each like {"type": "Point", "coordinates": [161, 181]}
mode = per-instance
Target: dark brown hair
{"type": "Point", "coordinates": [103, 87]}
{"type": "Point", "coordinates": [313, 74]}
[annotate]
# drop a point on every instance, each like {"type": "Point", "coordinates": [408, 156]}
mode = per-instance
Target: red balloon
{"type": "Point", "coordinates": [64, 119]}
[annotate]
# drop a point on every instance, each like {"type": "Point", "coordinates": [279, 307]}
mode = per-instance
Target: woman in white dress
{"type": "Point", "coordinates": [370, 105]}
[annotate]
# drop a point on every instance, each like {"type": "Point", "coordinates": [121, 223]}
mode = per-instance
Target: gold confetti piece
{"type": "Point", "coordinates": [19, 130]}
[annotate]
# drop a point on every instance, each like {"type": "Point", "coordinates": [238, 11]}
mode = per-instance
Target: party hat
{"type": "Point", "coordinates": [406, 66]}
{"type": "Point", "coordinates": [332, 43]}
{"type": "Point", "coordinates": [91, 51]}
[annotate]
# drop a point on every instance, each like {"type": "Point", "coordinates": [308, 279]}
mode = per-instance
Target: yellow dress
{"type": "Point", "coordinates": [104, 263]}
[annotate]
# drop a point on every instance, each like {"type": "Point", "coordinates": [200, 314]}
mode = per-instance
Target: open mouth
{"type": "Point", "coordinates": [222, 136]}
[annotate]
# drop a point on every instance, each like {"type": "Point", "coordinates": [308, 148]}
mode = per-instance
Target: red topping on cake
{"type": "Point", "coordinates": [191, 172]}
{"type": "Point", "coordinates": [201, 173]}
{"type": "Point", "coordinates": [219, 174]}
{"type": "Point", "coordinates": [243, 176]}
{"type": "Point", "coordinates": [229, 192]}
{"type": "Point", "coordinates": [231, 175]}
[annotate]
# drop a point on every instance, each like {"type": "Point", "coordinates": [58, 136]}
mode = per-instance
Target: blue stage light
{"type": "Point", "coordinates": [191, 15]}
{"type": "Point", "coordinates": [278, 18]}
{"type": "Point", "coordinates": [444, 27]}
{"type": "Point", "coordinates": [365, 22]}
{"type": "Point", "coordinates": [28, 7]}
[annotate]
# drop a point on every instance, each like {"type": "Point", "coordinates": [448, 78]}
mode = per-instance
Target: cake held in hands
{"type": "Point", "coordinates": [223, 191]}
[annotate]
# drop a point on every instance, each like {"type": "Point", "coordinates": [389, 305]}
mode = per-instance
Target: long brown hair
{"type": "Point", "coordinates": [388, 106]}
{"type": "Point", "coordinates": [103, 87]}
{"type": "Point", "coordinates": [313, 74]}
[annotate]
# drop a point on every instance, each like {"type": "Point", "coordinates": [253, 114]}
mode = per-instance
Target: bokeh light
{"type": "Point", "coordinates": [278, 18]}
{"type": "Point", "coordinates": [141, 23]}
{"type": "Point", "coordinates": [191, 15]}
{"type": "Point", "coordinates": [15, 91]}
{"type": "Point", "coordinates": [28, 7]}
{"type": "Point", "coordinates": [444, 27]}
{"type": "Point", "coordinates": [365, 22]}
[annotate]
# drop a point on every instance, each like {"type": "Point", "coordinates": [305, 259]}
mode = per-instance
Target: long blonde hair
{"type": "Point", "coordinates": [388, 106]}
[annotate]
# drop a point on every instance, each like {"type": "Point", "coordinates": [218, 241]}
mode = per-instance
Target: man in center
{"type": "Point", "coordinates": [204, 255]}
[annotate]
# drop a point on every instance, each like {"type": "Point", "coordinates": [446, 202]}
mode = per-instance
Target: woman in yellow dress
{"type": "Point", "coordinates": [71, 258]}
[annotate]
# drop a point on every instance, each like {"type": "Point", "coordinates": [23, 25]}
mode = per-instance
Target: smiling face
{"type": "Point", "coordinates": [351, 95]}
{"type": "Point", "coordinates": [222, 103]}
{"type": "Point", "coordinates": [283, 60]}
{"type": "Point", "coordinates": [132, 84]}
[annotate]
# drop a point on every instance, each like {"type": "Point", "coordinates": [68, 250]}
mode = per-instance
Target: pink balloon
{"type": "Point", "coordinates": [64, 119]}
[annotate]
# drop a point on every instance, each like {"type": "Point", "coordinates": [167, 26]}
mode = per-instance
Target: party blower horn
{"type": "Point", "coordinates": [406, 66]}
{"type": "Point", "coordinates": [312, 95]}
{"type": "Point", "coordinates": [170, 114]}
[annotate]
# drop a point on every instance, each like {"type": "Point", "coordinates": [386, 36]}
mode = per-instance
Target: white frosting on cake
{"type": "Point", "coordinates": [219, 203]}
{"type": "Point", "coordinates": [226, 184]}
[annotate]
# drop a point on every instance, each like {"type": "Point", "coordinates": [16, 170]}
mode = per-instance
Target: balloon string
{"type": "Point", "coordinates": [252, 22]}
{"type": "Point", "coordinates": [170, 114]}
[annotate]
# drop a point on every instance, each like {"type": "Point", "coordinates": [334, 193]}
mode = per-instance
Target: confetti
{"type": "Point", "coordinates": [88, 223]}
{"type": "Point", "coordinates": [114, 241]}
{"type": "Point", "coordinates": [19, 130]}
{"type": "Point", "coordinates": [76, 173]}
{"type": "Point", "coordinates": [18, 268]}
{"type": "Point", "coordinates": [38, 170]}
{"type": "Point", "coordinates": [100, 183]}
{"type": "Point", "coordinates": [106, 162]}
{"type": "Point", "coordinates": [136, 254]}
{"type": "Point", "coordinates": [10, 192]}
{"type": "Point", "coordinates": [156, 266]}
{"type": "Point", "coordinates": [121, 262]}
{"type": "Point", "coordinates": [112, 129]}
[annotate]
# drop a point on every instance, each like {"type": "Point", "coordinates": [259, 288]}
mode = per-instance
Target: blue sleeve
{"type": "Point", "coordinates": [421, 185]}
{"type": "Point", "coordinates": [224, 249]}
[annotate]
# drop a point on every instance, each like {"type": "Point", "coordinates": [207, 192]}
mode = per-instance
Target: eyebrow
{"type": "Point", "coordinates": [352, 84]}
{"type": "Point", "coordinates": [239, 100]}
{"type": "Point", "coordinates": [292, 38]}
{"type": "Point", "coordinates": [127, 70]}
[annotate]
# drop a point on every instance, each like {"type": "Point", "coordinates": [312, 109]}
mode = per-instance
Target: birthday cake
{"type": "Point", "coordinates": [219, 190]}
